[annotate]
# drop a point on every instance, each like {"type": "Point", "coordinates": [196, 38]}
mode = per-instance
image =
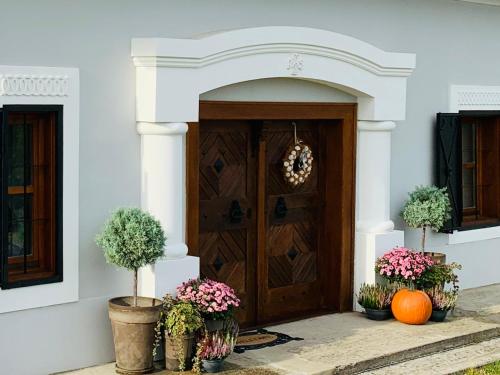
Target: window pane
{"type": "Point", "coordinates": [19, 234]}
{"type": "Point", "coordinates": [469, 187]}
{"type": "Point", "coordinates": [468, 143]}
{"type": "Point", "coordinates": [469, 164]}
{"type": "Point", "coordinates": [19, 151]}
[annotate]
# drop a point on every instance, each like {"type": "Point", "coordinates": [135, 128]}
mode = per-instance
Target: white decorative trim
{"type": "Point", "coordinates": [33, 85]}
{"type": "Point", "coordinates": [295, 64]}
{"type": "Point", "coordinates": [376, 126]}
{"type": "Point", "coordinates": [28, 85]}
{"type": "Point", "coordinates": [227, 45]}
{"type": "Point", "coordinates": [162, 128]}
{"type": "Point", "coordinates": [173, 73]}
{"type": "Point", "coordinates": [474, 98]}
{"type": "Point", "coordinates": [374, 227]}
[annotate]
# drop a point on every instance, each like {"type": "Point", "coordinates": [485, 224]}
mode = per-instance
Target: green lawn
{"type": "Point", "coordinates": [491, 369]}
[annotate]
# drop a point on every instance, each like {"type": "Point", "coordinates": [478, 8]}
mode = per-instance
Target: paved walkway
{"type": "Point", "coordinates": [447, 362]}
{"type": "Point", "coordinates": [484, 301]}
{"type": "Point", "coordinates": [349, 344]}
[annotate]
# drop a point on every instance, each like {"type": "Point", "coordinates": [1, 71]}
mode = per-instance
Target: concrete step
{"type": "Point", "coordinates": [351, 344]}
{"type": "Point", "coordinates": [446, 362]}
{"type": "Point", "coordinates": [420, 353]}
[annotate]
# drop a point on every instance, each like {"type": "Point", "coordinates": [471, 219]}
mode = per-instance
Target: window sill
{"type": "Point", "coordinates": [473, 235]}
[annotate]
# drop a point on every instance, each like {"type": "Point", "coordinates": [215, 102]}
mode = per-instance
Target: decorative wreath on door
{"type": "Point", "coordinates": [297, 162]}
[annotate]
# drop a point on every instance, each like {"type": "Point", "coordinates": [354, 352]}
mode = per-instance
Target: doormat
{"type": "Point", "coordinates": [261, 338]}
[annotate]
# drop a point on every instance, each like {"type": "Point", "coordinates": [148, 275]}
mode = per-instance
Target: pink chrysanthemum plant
{"type": "Point", "coordinates": [215, 300]}
{"type": "Point", "coordinates": [403, 266]}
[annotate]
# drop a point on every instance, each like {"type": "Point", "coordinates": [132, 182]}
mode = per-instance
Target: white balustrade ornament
{"type": "Point", "coordinates": [33, 85]}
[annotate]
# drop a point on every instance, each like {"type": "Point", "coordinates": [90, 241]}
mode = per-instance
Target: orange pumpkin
{"type": "Point", "coordinates": [411, 306]}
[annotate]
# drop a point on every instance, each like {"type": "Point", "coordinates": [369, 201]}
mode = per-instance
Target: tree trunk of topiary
{"type": "Point", "coordinates": [423, 238]}
{"type": "Point", "coordinates": [135, 287]}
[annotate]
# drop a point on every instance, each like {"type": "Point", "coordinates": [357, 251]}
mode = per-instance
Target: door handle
{"type": "Point", "coordinates": [235, 212]}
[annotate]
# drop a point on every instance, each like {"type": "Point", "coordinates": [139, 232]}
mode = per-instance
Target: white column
{"type": "Point", "coordinates": [163, 194]}
{"type": "Point", "coordinates": [163, 191]}
{"type": "Point", "coordinates": [375, 232]}
{"type": "Point", "coordinates": [374, 176]}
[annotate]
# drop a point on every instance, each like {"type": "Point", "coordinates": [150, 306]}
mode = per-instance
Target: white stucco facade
{"type": "Point", "coordinates": [129, 107]}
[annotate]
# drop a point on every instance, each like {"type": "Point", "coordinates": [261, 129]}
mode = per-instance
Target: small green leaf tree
{"type": "Point", "coordinates": [427, 207]}
{"type": "Point", "coordinates": [132, 239]}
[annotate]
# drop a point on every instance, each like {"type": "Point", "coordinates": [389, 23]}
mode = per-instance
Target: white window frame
{"type": "Point", "coordinates": [474, 98]}
{"type": "Point", "coordinates": [26, 85]}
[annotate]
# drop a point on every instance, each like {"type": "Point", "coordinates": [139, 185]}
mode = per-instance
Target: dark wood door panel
{"type": "Point", "coordinates": [291, 251]}
{"type": "Point", "coordinates": [226, 242]}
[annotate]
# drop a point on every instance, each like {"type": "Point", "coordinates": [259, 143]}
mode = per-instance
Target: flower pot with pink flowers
{"type": "Point", "coordinates": [442, 302]}
{"type": "Point", "coordinates": [215, 300]}
{"type": "Point", "coordinates": [376, 300]}
{"type": "Point", "coordinates": [407, 268]}
{"type": "Point", "coordinates": [216, 346]}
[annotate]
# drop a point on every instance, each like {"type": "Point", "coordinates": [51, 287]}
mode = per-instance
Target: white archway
{"type": "Point", "coordinates": [173, 73]}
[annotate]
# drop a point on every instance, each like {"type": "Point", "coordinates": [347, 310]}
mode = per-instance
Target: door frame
{"type": "Point", "coordinates": [341, 259]}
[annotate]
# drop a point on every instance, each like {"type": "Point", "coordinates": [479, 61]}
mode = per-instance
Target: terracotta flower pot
{"type": "Point", "coordinates": [187, 343]}
{"type": "Point", "coordinates": [133, 333]}
{"type": "Point", "coordinates": [437, 258]}
{"type": "Point", "coordinates": [411, 306]}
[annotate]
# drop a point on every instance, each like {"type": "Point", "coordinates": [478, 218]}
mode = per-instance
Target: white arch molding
{"type": "Point", "coordinates": [171, 75]}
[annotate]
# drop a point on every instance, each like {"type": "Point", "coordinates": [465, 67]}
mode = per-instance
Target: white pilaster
{"type": "Point", "coordinates": [164, 180]}
{"type": "Point", "coordinates": [163, 194]}
{"type": "Point", "coordinates": [375, 232]}
{"type": "Point", "coordinates": [374, 176]}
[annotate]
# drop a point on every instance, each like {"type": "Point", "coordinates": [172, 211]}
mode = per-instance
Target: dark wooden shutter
{"type": "Point", "coordinates": [3, 187]}
{"type": "Point", "coordinates": [449, 164]}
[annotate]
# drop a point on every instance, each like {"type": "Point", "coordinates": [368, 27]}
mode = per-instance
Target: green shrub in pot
{"type": "Point", "coordinates": [438, 275]}
{"type": "Point", "coordinates": [132, 239]}
{"type": "Point", "coordinates": [180, 321]}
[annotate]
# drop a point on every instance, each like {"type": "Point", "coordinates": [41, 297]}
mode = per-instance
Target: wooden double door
{"type": "Point", "coordinates": [268, 240]}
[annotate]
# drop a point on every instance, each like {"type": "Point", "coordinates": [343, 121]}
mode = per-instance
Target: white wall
{"type": "Point", "coordinates": [455, 43]}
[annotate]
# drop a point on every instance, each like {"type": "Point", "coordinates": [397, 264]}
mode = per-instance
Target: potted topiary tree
{"type": "Point", "coordinates": [132, 239]}
{"type": "Point", "coordinates": [427, 207]}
